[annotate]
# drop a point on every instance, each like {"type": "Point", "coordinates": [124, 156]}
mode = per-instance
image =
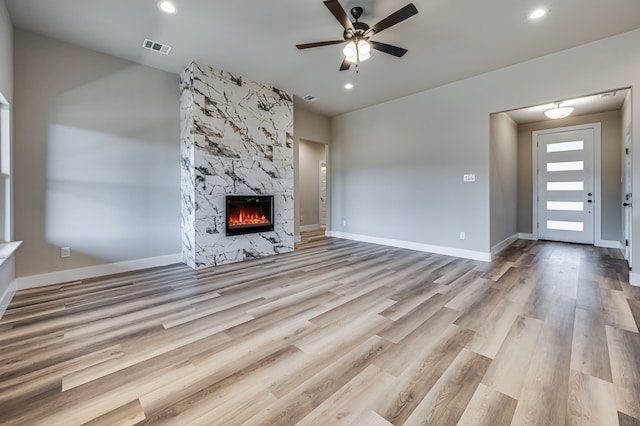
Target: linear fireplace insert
{"type": "Point", "coordinates": [247, 214]}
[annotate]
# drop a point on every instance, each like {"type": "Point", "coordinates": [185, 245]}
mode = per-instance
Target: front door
{"type": "Point", "coordinates": [566, 186]}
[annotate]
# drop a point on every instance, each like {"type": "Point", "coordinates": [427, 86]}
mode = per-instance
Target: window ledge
{"type": "Point", "coordinates": [7, 250]}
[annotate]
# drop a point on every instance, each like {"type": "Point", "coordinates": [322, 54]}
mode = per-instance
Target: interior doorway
{"type": "Point", "coordinates": [312, 184]}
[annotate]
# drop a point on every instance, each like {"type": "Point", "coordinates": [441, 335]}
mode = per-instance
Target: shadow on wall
{"type": "Point", "coordinates": [113, 169]}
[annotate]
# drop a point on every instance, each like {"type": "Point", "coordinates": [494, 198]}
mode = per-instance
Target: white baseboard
{"type": "Point", "coordinates": [5, 299]}
{"type": "Point", "coordinates": [68, 275]}
{"type": "Point", "coordinates": [609, 244]}
{"type": "Point", "coordinates": [600, 243]}
{"type": "Point", "coordinates": [634, 279]}
{"type": "Point", "coordinates": [447, 251]}
{"type": "Point", "coordinates": [315, 227]}
{"type": "Point", "coordinates": [525, 236]}
{"type": "Point", "coordinates": [503, 244]}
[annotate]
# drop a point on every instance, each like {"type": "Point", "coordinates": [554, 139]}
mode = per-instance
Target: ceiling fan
{"type": "Point", "coordinates": [357, 34]}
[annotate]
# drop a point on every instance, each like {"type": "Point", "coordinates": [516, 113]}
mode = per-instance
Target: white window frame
{"type": "Point", "coordinates": [6, 171]}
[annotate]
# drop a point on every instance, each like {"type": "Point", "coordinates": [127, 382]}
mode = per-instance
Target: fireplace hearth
{"type": "Point", "coordinates": [248, 214]}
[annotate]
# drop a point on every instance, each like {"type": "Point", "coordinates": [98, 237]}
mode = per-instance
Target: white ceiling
{"type": "Point", "coordinates": [447, 40]}
{"type": "Point", "coordinates": [601, 102]}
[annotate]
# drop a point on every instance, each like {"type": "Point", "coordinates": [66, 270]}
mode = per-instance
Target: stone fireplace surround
{"type": "Point", "coordinates": [236, 139]}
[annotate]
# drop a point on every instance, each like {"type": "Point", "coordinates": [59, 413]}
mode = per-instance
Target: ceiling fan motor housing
{"type": "Point", "coordinates": [361, 28]}
{"type": "Point", "coordinates": [356, 12]}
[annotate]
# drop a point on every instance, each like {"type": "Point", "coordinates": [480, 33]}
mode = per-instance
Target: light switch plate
{"type": "Point", "coordinates": [469, 177]}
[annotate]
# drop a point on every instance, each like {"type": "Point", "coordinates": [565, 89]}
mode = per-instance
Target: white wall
{"type": "Point", "coordinates": [97, 158]}
{"type": "Point", "coordinates": [504, 178]}
{"type": "Point", "coordinates": [411, 153]}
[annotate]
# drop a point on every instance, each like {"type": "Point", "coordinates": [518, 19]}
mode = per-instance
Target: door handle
{"type": "Point", "coordinates": [589, 194]}
{"type": "Point", "coordinates": [626, 204]}
{"type": "Point", "coordinates": [589, 201]}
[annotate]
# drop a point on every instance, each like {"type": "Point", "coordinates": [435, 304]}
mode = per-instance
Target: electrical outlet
{"type": "Point", "coordinates": [65, 252]}
{"type": "Point", "coordinates": [301, 218]}
{"type": "Point", "coordinates": [463, 235]}
{"type": "Point", "coordinates": [344, 223]}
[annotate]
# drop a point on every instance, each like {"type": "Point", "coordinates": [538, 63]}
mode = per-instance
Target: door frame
{"type": "Point", "coordinates": [597, 183]}
{"type": "Point", "coordinates": [627, 173]}
{"type": "Point", "coordinates": [322, 163]}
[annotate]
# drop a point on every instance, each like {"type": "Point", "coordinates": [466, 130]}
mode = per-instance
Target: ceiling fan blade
{"type": "Point", "coordinates": [336, 9]}
{"type": "Point", "coordinates": [398, 16]}
{"type": "Point", "coordinates": [388, 48]}
{"type": "Point", "coordinates": [345, 65]}
{"type": "Point", "coordinates": [318, 44]}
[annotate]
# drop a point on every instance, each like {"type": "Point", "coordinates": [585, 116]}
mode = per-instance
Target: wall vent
{"type": "Point", "coordinates": [310, 98]}
{"type": "Point", "coordinates": [156, 47]}
{"type": "Point", "coordinates": [608, 94]}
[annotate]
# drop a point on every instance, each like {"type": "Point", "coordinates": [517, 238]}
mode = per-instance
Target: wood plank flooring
{"type": "Point", "coordinates": [337, 332]}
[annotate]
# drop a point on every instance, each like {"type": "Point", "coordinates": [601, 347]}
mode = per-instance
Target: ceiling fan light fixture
{"type": "Point", "coordinates": [356, 34]}
{"type": "Point", "coordinates": [350, 52]}
{"type": "Point", "coordinates": [357, 51]}
{"type": "Point", "coordinates": [558, 112]}
{"type": "Point", "coordinates": [364, 48]}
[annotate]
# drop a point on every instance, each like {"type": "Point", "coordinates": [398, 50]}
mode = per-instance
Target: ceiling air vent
{"type": "Point", "coordinates": [310, 98]}
{"type": "Point", "coordinates": [156, 47]}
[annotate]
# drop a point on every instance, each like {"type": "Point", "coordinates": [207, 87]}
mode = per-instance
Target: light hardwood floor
{"type": "Point", "coordinates": [337, 332]}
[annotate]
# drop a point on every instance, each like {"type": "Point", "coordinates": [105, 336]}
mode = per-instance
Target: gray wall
{"type": "Point", "coordinates": [311, 154]}
{"type": "Point", "coordinates": [313, 127]}
{"type": "Point", "coordinates": [97, 157]}
{"type": "Point", "coordinates": [410, 154]}
{"type": "Point", "coordinates": [397, 169]}
{"type": "Point", "coordinates": [503, 142]}
{"type": "Point", "coordinates": [611, 172]}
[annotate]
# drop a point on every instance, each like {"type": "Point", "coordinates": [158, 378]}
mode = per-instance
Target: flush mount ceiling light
{"type": "Point", "coordinates": [167, 7]}
{"type": "Point", "coordinates": [558, 112]}
{"type": "Point", "coordinates": [538, 13]}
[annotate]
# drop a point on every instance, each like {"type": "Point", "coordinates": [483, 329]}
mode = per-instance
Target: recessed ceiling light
{"type": "Point", "coordinates": [538, 13]}
{"type": "Point", "coordinates": [167, 7]}
{"type": "Point", "coordinates": [348, 86]}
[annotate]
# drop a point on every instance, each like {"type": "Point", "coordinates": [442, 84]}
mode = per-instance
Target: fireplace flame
{"type": "Point", "coordinates": [245, 217]}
